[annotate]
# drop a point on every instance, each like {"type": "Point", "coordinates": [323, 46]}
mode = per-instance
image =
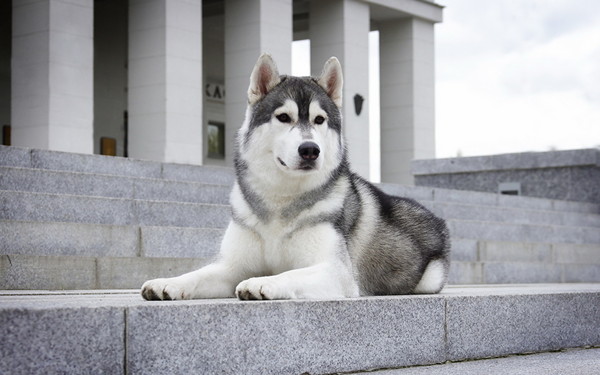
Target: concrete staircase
{"type": "Point", "coordinates": [70, 221]}
{"type": "Point", "coordinates": [93, 226]}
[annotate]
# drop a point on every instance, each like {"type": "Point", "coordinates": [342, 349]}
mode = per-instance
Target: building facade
{"type": "Point", "coordinates": [166, 80]}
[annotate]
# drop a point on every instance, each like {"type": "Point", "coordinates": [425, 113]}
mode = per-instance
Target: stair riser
{"type": "Point", "coordinates": [487, 231]}
{"type": "Point", "coordinates": [95, 240]}
{"type": "Point", "coordinates": [98, 164]}
{"type": "Point", "coordinates": [83, 184]}
{"type": "Point", "coordinates": [30, 272]}
{"type": "Point", "coordinates": [112, 211]}
{"type": "Point", "coordinates": [512, 272]}
{"type": "Point", "coordinates": [42, 181]}
{"type": "Point", "coordinates": [62, 161]}
{"type": "Point", "coordinates": [512, 215]}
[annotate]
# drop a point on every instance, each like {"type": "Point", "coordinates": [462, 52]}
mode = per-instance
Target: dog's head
{"type": "Point", "coordinates": [293, 124]}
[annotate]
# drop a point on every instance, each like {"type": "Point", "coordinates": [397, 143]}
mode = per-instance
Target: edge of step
{"type": "Point", "coordinates": [12, 156]}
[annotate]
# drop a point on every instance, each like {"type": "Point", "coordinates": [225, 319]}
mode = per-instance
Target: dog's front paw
{"type": "Point", "coordinates": [262, 288]}
{"type": "Point", "coordinates": [164, 289]}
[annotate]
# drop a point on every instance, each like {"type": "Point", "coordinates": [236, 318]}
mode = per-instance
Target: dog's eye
{"type": "Point", "coordinates": [284, 117]}
{"type": "Point", "coordinates": [319, 120]}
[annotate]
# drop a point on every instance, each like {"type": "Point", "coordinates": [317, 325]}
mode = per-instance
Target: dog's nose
{"type": "Point", "coordinates": [309, 150]}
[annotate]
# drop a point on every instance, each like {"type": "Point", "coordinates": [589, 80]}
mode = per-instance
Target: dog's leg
{"type": "Point", "coordinates": [239, 259]}
{"type": "Point", "coordinates": [319, 267]}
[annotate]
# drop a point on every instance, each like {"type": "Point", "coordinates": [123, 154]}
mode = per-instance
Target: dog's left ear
{"type": "Point", "coordinates": [264, 77]}
{"type": "Point", "coordinates": [332, 80]}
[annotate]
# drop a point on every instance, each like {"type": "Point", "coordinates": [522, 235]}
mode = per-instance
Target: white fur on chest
{"type": "Point", "coordinates": [289, 242]}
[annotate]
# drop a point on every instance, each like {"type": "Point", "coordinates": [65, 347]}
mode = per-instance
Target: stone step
{"type": "Point", "coordinates": [100, 240]}
{"type": "Point", "coordinates": [493, 224]}
{"type": "Point", "coordinates": [97, 185]}
{"type": "Point", "coordinates": [54, 250]}
{"type": "Point", "coordinates": [27, 206]}
{"type": "Point", "coordinates": [110, 186]}
{"type": "Point", "coordinates": [438, 195]}
{"type": "Point", "coordinates": [580, 361]}
{"type": "Point", "coordinates": [119, 333]}
{"type": "Point", "coordinates": [527, 233]}
{"type": "Point", "coordinates": [82, 239]}
{"type": "Point", "coordinates": [118, 166]}
{"type": "Point", "coordinates": [11, 156]}
{"type": "Point", "coordinates": [492, 262]}
{"type": "Point", "coordinates": [31, 272]}
{"type": "Point", "coordinates": [512, 215]}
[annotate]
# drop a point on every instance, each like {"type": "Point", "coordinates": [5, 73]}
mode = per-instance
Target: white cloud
{"type": "Point", "coordinates": [517, 76]}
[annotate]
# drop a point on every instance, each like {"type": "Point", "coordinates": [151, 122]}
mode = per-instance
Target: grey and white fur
{"type": "Point", "coordinates": [303, 224]}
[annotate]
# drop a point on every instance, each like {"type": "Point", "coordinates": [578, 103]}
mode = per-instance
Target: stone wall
{"type": "Point", "coordinates": [565, 175]}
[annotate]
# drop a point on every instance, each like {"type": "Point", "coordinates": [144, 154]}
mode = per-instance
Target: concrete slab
{"type": "Point", "coordinates": [569, 362]}
{"type": "Point", "coordinates": [102, 185]}
{"type": "Point", "coordinates": [498, 325]}
{"type": "Point", "coordinates": [62, 340]}
{"type": "Point", "coordinates": [286, 337]}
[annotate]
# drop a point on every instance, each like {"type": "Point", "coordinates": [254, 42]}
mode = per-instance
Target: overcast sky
{"type": "Point", "coordinates": [517, 75]}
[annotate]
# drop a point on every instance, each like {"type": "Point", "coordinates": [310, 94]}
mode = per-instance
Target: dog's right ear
{"type": "Point", "coordinates": [263, 78]}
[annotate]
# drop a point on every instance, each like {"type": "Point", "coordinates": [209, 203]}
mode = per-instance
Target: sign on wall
{"type": "Point", "coordinates": [215, 92]}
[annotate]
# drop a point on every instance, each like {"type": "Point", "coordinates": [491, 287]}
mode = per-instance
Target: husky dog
{"type": "Point", "coordinates": [303, 225]}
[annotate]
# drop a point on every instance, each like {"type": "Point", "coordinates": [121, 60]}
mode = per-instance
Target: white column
{"type": "Point", "coordinates": [407, 96]}
{"type": "Point", "coordinates": [165, 80]}
{"type": "Point", "coordinates": [341, 28]}
{"type": "Point", "coordinates": [251, 28]}
{"type": "Point", "coordinates": [52, 74]}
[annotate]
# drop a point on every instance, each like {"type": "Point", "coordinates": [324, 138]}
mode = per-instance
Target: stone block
{"type": "Point", "coordinates": [581, 273]}
{"type": "Point", "coordinates": [180, 242]}
{"type": "Point", "coordinates": [464, 250]}
{"type": "Point", "coordinates": [465, 273]}
{"type": "Point", "coordinates": [508, 232]}
{"type": "Point", "coordinates": [285, 337]}
{"type": "Point", "coordinates": [155, 213]}
{"type": "Point", "coordinates": [579, 254]}
{"type": "Point", "coordinates": [499, 325]}
{"type": "Point", "coordinates": [179, 191]}
{"type": "Point", "coordinates": [206, 174]}
{"type": "Point", "coordinates": [131, 273]}
{"type": "Point", "coordinates": [15, 157]}
{"type": "Point", "coordinates": [465, 197]}
{"type": "Point", "coordinates": [525, 202]}
{"type": "Point", "coordinates": [515, 252]}
{"type": "Point", "coordinates": [22, 206]}
{"type": "Point", "coordinates": [44, 238]}
{"type": "Point", "coordinates": [521, 272]}
{"type": "Point", "coordinates": [582, 207]}
{"type": "Point", "coordinates": [579, 219]}
{"type": "Point", "coordinates": [99, 185]}
{"type": "Point", "coordinates": [45, 272]}
{"type": "Point", "coordinates": [49, 340]}
{"type": "Point", "coordinates": [61, 182]}
{"type": "Point", "coordinates": [111, 165]}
